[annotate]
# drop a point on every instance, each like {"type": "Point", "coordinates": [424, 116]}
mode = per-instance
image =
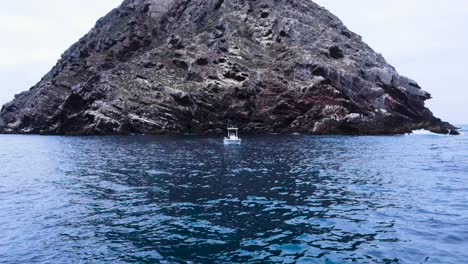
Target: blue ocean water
{"type": "Point", "coordinates": [274, 199]}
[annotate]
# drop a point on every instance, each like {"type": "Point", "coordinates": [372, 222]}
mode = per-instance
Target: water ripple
{"type": "Point", "coordinates": [274, 199]}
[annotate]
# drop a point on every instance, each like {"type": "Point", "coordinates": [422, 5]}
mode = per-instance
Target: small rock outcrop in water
{"type": "Point", "coordinates": [188, 66]}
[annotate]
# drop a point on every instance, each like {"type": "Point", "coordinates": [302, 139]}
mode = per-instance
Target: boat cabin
{"type": "Point", "coordinates": [233, 133]}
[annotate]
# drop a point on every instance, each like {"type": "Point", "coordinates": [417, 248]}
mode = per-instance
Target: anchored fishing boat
{"type": "Point", "coordinates": [233, 136]}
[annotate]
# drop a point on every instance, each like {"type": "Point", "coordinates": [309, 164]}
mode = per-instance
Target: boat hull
{"type": "Point", "coordinates": [232, 141]}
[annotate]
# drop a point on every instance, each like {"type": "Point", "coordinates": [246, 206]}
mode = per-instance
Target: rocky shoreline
{"type": "Point", "coordinates": [189, 66]}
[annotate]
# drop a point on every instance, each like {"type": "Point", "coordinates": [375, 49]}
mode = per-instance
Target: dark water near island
{"type": "Point", "coordinates": [274, 199]}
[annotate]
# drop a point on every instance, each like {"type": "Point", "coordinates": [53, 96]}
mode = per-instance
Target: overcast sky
{"type": "Point", "coordinates": [34, 33]}
{"type": "Point", "coordinates": [425, 40]}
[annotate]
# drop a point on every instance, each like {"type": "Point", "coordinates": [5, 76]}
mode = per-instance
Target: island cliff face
{"type": "Point", "coordinates": [189, 66]}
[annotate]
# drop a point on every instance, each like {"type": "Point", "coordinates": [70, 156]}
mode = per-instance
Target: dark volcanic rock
{"type": "Point", "coordinates": [188, 66]}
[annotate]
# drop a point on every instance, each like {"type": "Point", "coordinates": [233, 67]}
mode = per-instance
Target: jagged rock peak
{"type": "Point", "coordinates": [189, 66]}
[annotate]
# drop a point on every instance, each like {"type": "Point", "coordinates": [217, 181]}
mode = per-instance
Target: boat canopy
{"type": "Point", "coordinates": [233, 132]}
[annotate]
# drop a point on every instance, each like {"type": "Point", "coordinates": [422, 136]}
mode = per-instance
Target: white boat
{"type": "Point", "coordinates": [233, 137]}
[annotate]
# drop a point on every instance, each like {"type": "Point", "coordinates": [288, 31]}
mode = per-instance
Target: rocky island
{"type": "Point", "coordinates": [189, 66]}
